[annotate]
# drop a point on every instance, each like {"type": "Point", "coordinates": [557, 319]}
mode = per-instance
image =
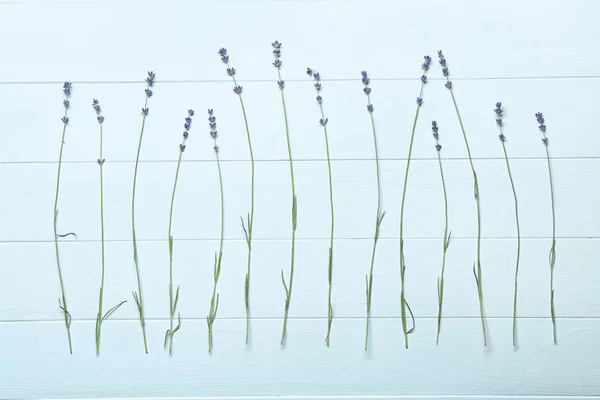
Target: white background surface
{"type": "Point", "coordinates": [533, 56]}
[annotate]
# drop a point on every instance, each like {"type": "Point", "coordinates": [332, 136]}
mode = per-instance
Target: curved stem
{"type": "Point", "coordinates": [60, 277]}
{"type": "Point", "coordinates": [552, 256]}
{"type": "Point", "coordinates": [402, 264]}
{"type": "Point", "coordinates": [139, 300]}
{"type": "Point", "coordinates": [171, 299]}
{"type": "Point", "coordinates": [446, 244]}
{"type": "Point", "coordinates": [378, 220]}
{"type": "Point", "coordinates": [477, 267]}
{"type": "Point", "coordinates": [101, 295]}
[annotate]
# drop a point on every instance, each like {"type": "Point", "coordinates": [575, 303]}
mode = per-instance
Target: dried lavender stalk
{"type": "Point", "coordinates": [174, 299]}
{"type": "Point", "coordinates": [288, 287]}
{"type": "Point", "coordinates": [100, 318]}
{"type": "Point", "coordinates": [137, 296]}
{"type": "Point", "coordinates": [214, 302]}
{"type": "Point", "coordinates": [499, 111]}
{"type": "Point", "coordinates": [249, 224]}
{"type": "Point", "coordinates": [380, 215]}
{"type": "Point", "coordinates": [477, 264]}
{"type": "Point", "coordinates": [447, 234]}
{"type": "Point", "coordinates": [62, 301]}
{"type": "Point", "coordinates": [552, 255]}
{"type": "Point", "coordinates": [403, 303]}
{"type": "Point", "coordinates": [323, 122]}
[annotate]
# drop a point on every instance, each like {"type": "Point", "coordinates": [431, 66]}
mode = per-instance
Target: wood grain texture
{"type": "Point", "coordinates": [533, 56]}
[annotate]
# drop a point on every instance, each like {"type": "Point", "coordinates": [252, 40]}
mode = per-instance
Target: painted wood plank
{"type": "Point", "coordinates": [27, 139]}
{"type": "Point", "coordinates": [29, 283]}
{"type": "Point", "coordinates": [368, 35]}
{"type": "Point", "coordinates": [305, 367]}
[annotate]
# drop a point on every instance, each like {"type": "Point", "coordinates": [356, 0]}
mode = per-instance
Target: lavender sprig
{"type": "Point", "coordinates": [499, 115]}
{"type": "Point", "coordinates": [552, 254]}
{"type": "Point", "coordinates": [323, 122]}
{"type": "Point", "coordinates": [380, 215]}
{"type": "Point", "coordinates": [100, 318]}
{"type": "Point", "coordinates": [62, 300]}
{"type": "Point", "coordinates": [477, 264]}
{"type": "Point", "coordinates": [447, 234]}
{"type": "Point", "coordinates": [249, 224]}
{"type": "Point", "coordinates": [287, 286]}
{"type": "Point", "coordinates": [403, 304]}
{"type": "Point", "coordinates": [137, 296]}
{"type": "Point", "coordinates": [170, 333]}
{"type": "Point", "coordinates": [214, 302]}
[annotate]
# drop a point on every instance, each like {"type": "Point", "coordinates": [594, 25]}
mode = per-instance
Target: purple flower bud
{"type": "Point", "coordinates": [216, 149]}
{"type": "Point", "coordinates": [499, 121]}
{"type": "Point", "coordinates": [66, 103]}
{"type": "Point", "coordinates": [213, 134]}
{"type": "Point", "coordinates": [277, 64]}
{"type": "Point", "coordinates": [438, 146]}
{"type": "Point", "coordinates": [231, 71]}
{"type": "Point", "coordinates": [449, 84]}
{"type": "Point", "coordinates": [148, 93]}
{"type": "Point", "coordinates": [498, 110]}
{"type": "Point", "coordinates": [191, 113]}
{"type": "Point", "coordinates": [182, 147]}
{"type": "Point", "coordinates": [445, 71]}
{"type": "Point", "coordinates": [100, 119]}
{"type": "Point", "coordinates": [150, 78]}
{"type": "Point", "coordinates": [188, 120]}
{"type": "Point", "coordinates": [237, 89]}
{"type": "Point", "coordinates": [65, 120]}
{"type": "Point", "coordinates": [222, 52]}
{"type": "Point", "coordinates": [317, 76]}
{"type": "Point", "coordinates": [426, 64]}
{"type": "Point", "coordinates": [324, 122]}
{"type": "Point", "coordinates": [545, 141]}
{"type": "Point", "coordinates": [276, 44]}
{"type": "Point", "coordinates": [424, 79]}
{"type": "Point", "coordinates": [145, 111]}
{"type": "Point", "coordinates": [318, 86]}
{"type": "Point", "coordinates": [443, 62]}
{"type": "Point", "coordinates": [96, 105]}
{"type": "Point", "coordinates": [277, 53]}
{"type": "Point", "coordinates": [212, 118]}
{"type": "Point", "coordinates": [370, 108]}
{"type": "Point", "coordinates": [539, 117]}
{"type": "Point", "coordinates": [281, 84]}
{"type": "Point", "coordinates": [542, 128]}
{"type": "Point", "coordinates": [367, 90]}
{"type": "Point", "coordinates": [502, 137]}
{"type": "Point", "coordinates": [187, 126]}
{"type": "Point", "coordinates": [67, 86]}
{"type": "Point", "coordinates": [309, 72]}
{"type": "Point", "coordinates": [419, 101]}
{"type": "Point", "coordinates": [365, 77]}
{"type": "Point", "coordinates": [319, 99]}
{"type": "Point", "coordinates": [213, 125]}
{"type": "Point", "coordinates": [435, 129]}
{"type": "Point", "coordinates": [101, 162]}
{"type": "Point", "coordinates": [185, 134]}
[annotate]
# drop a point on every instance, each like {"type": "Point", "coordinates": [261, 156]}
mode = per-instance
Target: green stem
{"type": "Point", "coordinates": [250, 217]}
{"type": "Point", "coordinates": [171, 299]}
{"type": "Point", "coordinates": [64, 308]}
{"type": "Point", "coordinates": [446, 244]}
{"type": "Point", "coordinates": [294, 215]}
{"type": "Point", "coordinates": [378, 220]}
{"type": "Point", "coordinates": [402, 265]}
{"type": "Point", "coordinates": [330, 265]}
{"type": "Point", "coordinates": [101, 295]}
{"type": "Point", "coordinates": [552, 255]}
{"type": "Point", "coordinates": [512, 184]}
{"type": "Point", "coordinates": [139, 300]}
{"type": "Point", "coordinates": [477, 267]}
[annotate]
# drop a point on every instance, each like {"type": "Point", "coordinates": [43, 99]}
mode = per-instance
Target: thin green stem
{"type": "Point", "coordinates": [217, 269]}
{"type": "Point", "coordinates": [477, 266]}
{"type": "Point", "coordinates": [63, 306]}
{"type": "Point", "coordinates": [402, 264]}
{"type": "Point", "coordinates": [138, 297]}
{"type": "Point", "coordinates": [289, 286]}
{"type": "Point", "coordinates": [512, 184]}
{"type": "Point", "coordinates": [101, 295]}
{"type": "Point", "coordinates": [378, 220]}
{"type": "Point", "coordinates": [172, 299]}
{"type": "Point", "coordinates": [552, 255]}
{"type": "Point", "coordinates": [250, 221]}
{"type": "Point", "coordinates": [446, 244]}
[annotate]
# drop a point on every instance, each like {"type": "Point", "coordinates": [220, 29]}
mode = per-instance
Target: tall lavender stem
{"type": "Point", "coordinates": [477, 264]}
{"type": "Point", "coordinates": [62, 304]}
{"type": "Point", "coordinates": [137, 296]}
{"type": "Point", "coordinates": [403, 303]}
{"type": "Point", "coordinates": [380, 215]}
{"type": "Point", "coordinates": [552, 254]}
